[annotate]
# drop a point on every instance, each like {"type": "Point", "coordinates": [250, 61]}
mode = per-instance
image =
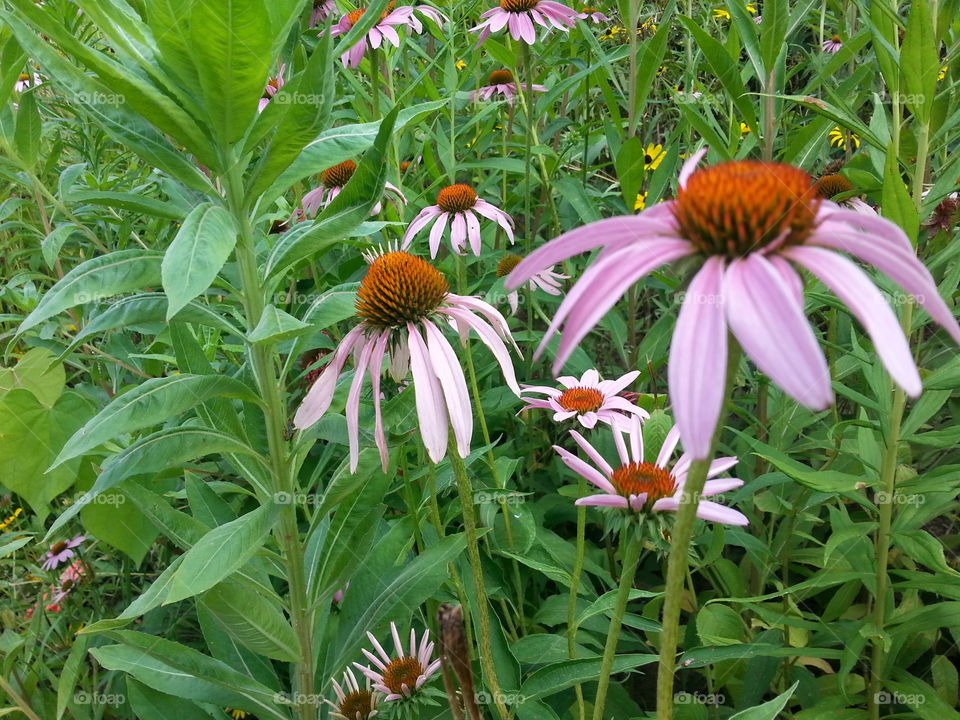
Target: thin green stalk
{"type": "Point", "coordinates": [769, 113]}
{"type": "Point", "coordinates": [465, 491]}
{"type": "Point", "coordinates": [375, 82]}
{"type": "Point", "coordinates": [575, 589]}
{"type": "Point", "coordinates": [679, 556]}
{"type": "Point", "coordinates": [630, 546]}
{"type": "Point", "coordinates": [633, 15]}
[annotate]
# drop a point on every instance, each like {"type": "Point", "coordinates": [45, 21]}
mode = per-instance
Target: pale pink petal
{"type": "Point", "coordinates": [584, 470]}
{"type": "Point", "coordinates": [353, 404]}
{"type": "Point", "coordinates": [715, 487]}
{"type": "Point", "coordinates": [431, 412]}
{"type": "Point", "coordinates": [592, 453]}
{"type": "Point", "coordinates": [418, 223]}
{"type": "Point", "coordinates": [473, 232]}
{"type": "Point", "coordinates": [617, 501]}
{"type": "Point", "coordinates": [320, 395]}
{"type": "Point", "coordinates": [715, 512]}
{"type": "Point", "coordinates": [690, 165]}
{"type": "Point", "coordinates": [489, 338]}
{"type": "Point", "coordinates": [436, 233]}
{"type": "Point", "coordinates": [458, 232]}
{"type": "Point", "coordinates": [375, 368]}
{"type": "Point", "coordinates": [450, 375]}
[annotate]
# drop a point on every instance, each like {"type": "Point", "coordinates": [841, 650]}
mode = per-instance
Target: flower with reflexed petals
{"type": "Point", "coordinates": [459, 205]}
{"type": "Point", "coordinates": [322, 9]}
{"type": "Point", "coordinates": [591, 13]}
{"type": "Point", "coordinates": [273, 86]}
{"type": "Point", "coordinates": [748, 223]}
{"type": "Point", "coordinates": [401, 676]}
{"type": "Point", "coordinates": [546, 280]}
{"type": "Point", "coordinates": [832, 45]}
{"type": "Point", "coordinates": [643, 487]}
{"type": "Point", "coordinates": [353, 702]}
{"type": "Point", "coordinates": [501, 82]}
{"type": "Point", "coordinates": [385, 29]}
{"type": "Point", "coordinates": [829, 186]}
{"type": "Point", "coordinates": [332, 181]}
{"type": "Point", "coordinates": [590, 400]}
{"type": "Point", "coordinates": [519, 16]}
{"type": "Point", "coordinates": [61, 551]}
{"type": "Point", "coordinates": [402, 304]}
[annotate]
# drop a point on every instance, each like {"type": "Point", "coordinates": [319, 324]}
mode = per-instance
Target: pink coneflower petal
{"type": "Point", "coordinates": [616, 501]}
{"type": "Point", "coordinates": [353, 404]}
{"type": "Point", "coordinates": [473, 232]}
{"type": "Point", "coordinates": [429, 398]}
{"type": "Point", "coordinates": [320, 395]}
{"type": "Point", "coordinates": [451, 379]}
{"type": "Point", "coordinates": [698, 359]}
{"type": "Point", "coordinates": [492, 341]}
{"type": "Point", "coordinates": [458, 232]}
{"type": "Point", "coordinates": [854, 288]}
{"type": "Point", "coordinates": [715, 512]}
{"type": "Point", "coordinates": [715, 487]}
{"type": "Point", "coordinates": [436, 233]}
{"type": "Point", "coordinates": [771, 327]}
{"type": "Point", "coordinates": [582, 468]}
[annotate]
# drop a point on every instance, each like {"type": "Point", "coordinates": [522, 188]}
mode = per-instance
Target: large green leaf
{"type": "Point", "coordinates": [560, 676]}
{"type": "Point", "coordinates": [769, 710]}
{"type": "Point", "coordinates": [149, 704]}
{"type": "Point", "coordinates": [251, 619]}
{"type": "Point", "coordinates": [152, 402]}
{"type": "Point", "coordinates": [196, 255]}
{"type": "Point", "coordinates": [95, 279]}
{"type": "Point", "coordinates": [221, 552]}
{"type": "Point", "coordinates": [39, 372]}
{"type": "Point", "coordinates": [119, 523]}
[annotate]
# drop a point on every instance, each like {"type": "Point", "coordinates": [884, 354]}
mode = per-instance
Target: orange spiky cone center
{"type": "Point", "coordinates": [356, 704]}
{"type": "Point", "coordinates": [500, 77]}
{"type": "Point", "coordinates": [831, 185]}
{"type": "Point", "coordinates": [399, 288]}
{"type": "Point", "coordinates": [638, 478]}
{"type": "Point", "coordinates": [456, 198]}
{"type": "Point", "coordinates": [400, 672]}
{"type": "Point", "coordinates": [581, 400]}
{"type": "Point", "coordinates": [338, 175]}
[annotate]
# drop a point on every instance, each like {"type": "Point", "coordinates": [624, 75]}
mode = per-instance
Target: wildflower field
{"type": "Point", "coordinates": [508, 360]}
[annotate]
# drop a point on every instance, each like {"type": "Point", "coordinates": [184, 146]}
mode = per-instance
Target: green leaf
{"type": "Point", "coordinates": [630, 163]}
{"type": "Point", "coordinates": [119, 523]}
{"type": "Point", "coordinates": [769, 710]}
{"type": "Point", "coordinates": [925, 549]}
{"type": "Point", "coordinates": [221, 552]}
{"type": "Point", "coordinates": [69, 673]}
{"type": "Point", "coordinates": [127, 201]}
{"type": "Point", "coordinates": [719, 625]}
{"type": "Point", "coordinates": [895, 199]}
{"type": "Point", "coordinates": [28, 129]}
{"type": "Point", "coordinates": [276, 325]}
{"type": "Point", "coordinates": [197, 254]}
{"type": "Point", "coordinates": [773, 32]}
{"type": "Point", "coordinates": [149, 704]}
{"type": "Point", "coordinates": [919, 62]}
{"type": "Point", "coordinates": [560, 676]}
{"type": "Point", "coordinates": [39, 372]}
{"type": "Point", "coordinates": [95, 279]}
{"type": "Point", "coordinates": [254, 621]}
{"type": "Point", "coordinates": [149, 403]}
{"type": "Point", "coordinates": [828, 481]}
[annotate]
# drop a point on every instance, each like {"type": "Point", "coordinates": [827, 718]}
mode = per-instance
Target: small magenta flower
{"type": "Point", "coordinates": [832, 45]}
{"type": "Point", "coordinates": [590, 400]}
{"type": "Point", "coordinates": [322, 9]}
{"type": "Point", "coordinates": [352, 701]}
{"type": "Point", "coordinates": [273, 86]}
{"type": "Point", "coordinates": [501, 82]}
{"type": "Point", "coordinates": [591, 13]}
{"type": "Point", "coordinates": [644, 487]}
{"type": "Point", "coordinates": [546, 280]}
{"type": "Point", "coordinates": [400, 677]}
{"type": "Point", "coordinates": [402, 303]}
{"type": "Point", "coordinates": [332, 181]}
{"type": "Point", "coordinates": [459, 205]}
{"type": "Point", "coordinates": [519, 16]}
{"type": "Point", "coordinates": [747, 224]}
{"type": "Point", "coordinates": [385, 29]}
{"type": "Point", "coordinates": [61, 552]}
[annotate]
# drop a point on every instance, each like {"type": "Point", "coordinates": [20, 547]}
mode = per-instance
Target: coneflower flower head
{"type": "Point", "coordinates": [749, 223]}
{"type": "Point", "coordinates": [501, 82]}
{"type": "Point", "coordinates": [398, 678]}
{"type": "Point", "coordinates": [459, 205]}
{"type": "Point", "coordinates": [332, 181]}
{"type": "Point", "coordinates": [353, 701]}
{"type": "Point", "coordinates": [385, 29]}
{"type": "Point", "coordinates": [519, 17]}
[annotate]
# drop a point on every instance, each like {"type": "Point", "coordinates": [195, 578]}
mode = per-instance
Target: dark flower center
{"type": "Point", "coordinates": [58, 547]}
{"type": "Point", "coordinates": [581, 400]}
{"type": "Point", "coordinates": [740, 206]}
{"type": "Point", "coordinates": [518, 6]}
{"type": "Point", "coordinates": [357, 705]}
{"type": "Point", "coordinates": [836, 38]}
{"type": "Point", "coordinates": [832, 185]}
{"type": "Point", "coordinates": [507, 264]}
{"type": "Point", "coordinates": [338, 175]}
{"type": "Point", "coordinates": [354, 16]}
{"type": "Point", "coordinates": [639, 478]}
{"type": "Point", "coordinates": [399, 288]}
{"type": "Point", "coordinates": [456, 198]}
{"type": "Point", "coordinates": [400, 672]}
{"type": "Point", "coordinates": [500, 77]}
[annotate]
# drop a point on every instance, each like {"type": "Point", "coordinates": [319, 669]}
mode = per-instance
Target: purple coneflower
{"type": "Point", "coordinates": [645, 487]}
{"type": "Point", "coordinates": [546, 280]}
{"type": "Point", "coordinates": [501, 82]}
{"type": "Point", "coordinates": [332, 181]}
{"type": "Point", "coordinates": [832, 45]}
{"type": "Point", "coordinates": [322, 9]}
{"type": "Point", "coordinates": [398, 678]}
{"type": "Point", "coordinates": [590, 400]}
{"type": "Point", "coordinates": [829, 186]}
{"type": "Point", "coordinates": [591, 13]}
{"type": "Point", "coordinates": [272, 87]}
{"type": "Point", "coordinates": [459, 205]}
{"type": "Point", "coordinates": [746, 221]}
{"type": "Point", "coordinates": [518, 16]}
{"type": "Point", "coordinates": [27, 80]}
{"type": "Point", "coordinates": [398, 304]}
{"type": "Point", "coordinates": [61, 551]}
{"type": "Point", "coordinates": [385, 29]}
{"type": "Point", "coordinates": [353, 702]}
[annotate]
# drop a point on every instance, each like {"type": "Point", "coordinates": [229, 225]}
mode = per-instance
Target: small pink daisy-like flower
{"type": "Point", "coordinates": [385, 29]}
{"type": "Point", "coordinates": [644, 487]}
{"type": "Point", "coordinates": [61, 552]}
{"type": "Point", "coordinates": [546, 280]}
{"type": "Point", "coordinates": [519, 16]}
{"type": "Point", "coordinates": [832, 45]}
{"type": "Point", "coordinates": [749, 224]}
{"type": "Point", "coordinates": [26, 81]}
{"type": "Point", "coordinates": [272, 87]}
{"type": "Point", "coordinates": [332, 181]}
{"type": "Point", "coordinates": [830, 186]}
{"type": "Point", "coordinates": [591, 13]}
{"type": "Point", "coordinates": [322, 9]}
{"type": "Point", "coordinates": [501, 82]}
{"type": "Point", "coordinates": [398, 678]}
{"type": "Point", "coordinates": [353, 702]}
{"type": "Point", "coordinates": [590, 400]}
{"type": "Point", "coordinates": [402, 303]}
{"type": "Point", "coordinates": [459, 205]}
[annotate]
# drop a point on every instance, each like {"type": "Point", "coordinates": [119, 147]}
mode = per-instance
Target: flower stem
{"type": "Point", "coordinates": [473, 554]}
{"type": "Point", "coordinates": [679, 555]}
{"type": "Point", "coordinates": [575, 589]}
{"type": "Point", "coordinates": [630, 545]}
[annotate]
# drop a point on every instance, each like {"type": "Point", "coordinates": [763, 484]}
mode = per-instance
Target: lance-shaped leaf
{"type": "Point", "coordinates": [251, 619]}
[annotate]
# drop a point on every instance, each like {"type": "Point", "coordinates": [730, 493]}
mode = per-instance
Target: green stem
{"type": "Point", "coordinates": [679, 556]}
{"type": "Point", "coordinates": [575, 589]}
{"type": "Point", "coordinates": [633, 13]}
{"type": "Point", "coordinates": [630, 545]}
{"type": "Point", "coordinates": [375, 81]}
{"type": "Point", "coordinates": [473, 554]}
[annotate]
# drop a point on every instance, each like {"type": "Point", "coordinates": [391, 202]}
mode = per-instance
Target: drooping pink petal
{"type": "Point", "coordinates": [436, 233]}
{"type": "Point", "coordinates": [715, 487]}
{"type": "Point", "coordinates": [320, 394]}
{"type": "Point", "coordinates": [690, 166]}
{"type": "Point", "coordinates": [584, 470]}
{"type": "Point", "coordinates": [375, 368]}
{"type": "Point", "coordinates": [458, 232]}
{"type": "Point", "coordinates": [431, 411]}
{"type": "Point", "coordinates": [473, 232]}
{"type": "Point", "coordinates": [353, 403]}
{"type": "Point", "coordinates": [489, 338]}
{"type": "Point", "coordinates": [592, 453]}
{"type": "Point", "coordinates": [450, 374]}
{"type": "Point", "coordinates": [770, 326]}
{"type": "Point", "coordinates": [422, 219]}
{"type": "Point", "coordinates": [715, 512]}
{"type": "Point", "coordinates": [696, 371]}
{"type": "Point", "coordinates": [853, 287]}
